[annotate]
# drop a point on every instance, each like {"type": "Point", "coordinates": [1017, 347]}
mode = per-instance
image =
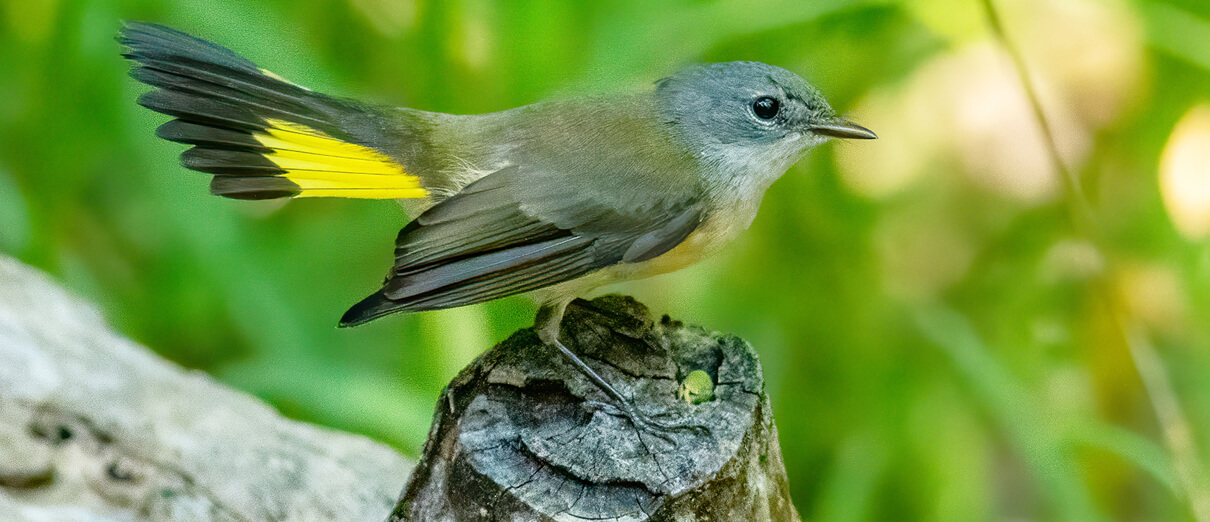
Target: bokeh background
{"type": "Point", "coordinates": [951, 328]}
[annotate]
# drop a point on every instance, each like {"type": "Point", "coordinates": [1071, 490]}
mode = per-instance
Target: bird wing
{"type": "Point", "coordinates": [521, 229]}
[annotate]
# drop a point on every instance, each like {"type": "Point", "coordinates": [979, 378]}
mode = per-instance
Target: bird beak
{"type": "Point", "coordinates": [839, 128]}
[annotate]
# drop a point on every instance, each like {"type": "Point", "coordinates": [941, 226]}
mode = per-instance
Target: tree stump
{"type": "Point", "coordinates": [521, 435]}
{"type": "Point", "coordinates": [95, 427]}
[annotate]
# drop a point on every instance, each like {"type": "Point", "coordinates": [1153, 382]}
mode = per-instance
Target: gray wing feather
{"type": "Point", "coordinates": [500, 236]}
{"type": "Point", "coordinates": [410, 282]}
{"type": "Point", "coordinates": [663, 239]}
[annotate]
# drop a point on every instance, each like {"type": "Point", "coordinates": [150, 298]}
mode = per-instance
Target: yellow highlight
{"type": "Point", "coordinates": [275, 76]}
{"type": "Point", "coordinates": [1185, 174]}
{"type": "Point", "coordinates": [323, 166]}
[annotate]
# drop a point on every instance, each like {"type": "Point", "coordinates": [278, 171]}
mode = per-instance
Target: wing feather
{"type": "Point", "coordinates": [487, 242]}
{"type": "Point", "coordinates": [490, 264]}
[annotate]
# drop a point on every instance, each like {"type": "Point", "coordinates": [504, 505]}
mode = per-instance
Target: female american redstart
{"type": "Point", "coordinates": [558, 197]}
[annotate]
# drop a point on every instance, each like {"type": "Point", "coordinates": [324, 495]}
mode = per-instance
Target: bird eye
{"type": "Point", "coordinates": [765, 107]}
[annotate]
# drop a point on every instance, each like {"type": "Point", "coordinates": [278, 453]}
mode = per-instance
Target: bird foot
{"type": "Point", "coordinates": [649, 424]}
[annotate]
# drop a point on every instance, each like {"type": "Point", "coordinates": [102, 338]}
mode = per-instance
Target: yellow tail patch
{"type": "Point", "coordinates": [277, 77]}
{"type": "Point", "coordinates": [323, 166]}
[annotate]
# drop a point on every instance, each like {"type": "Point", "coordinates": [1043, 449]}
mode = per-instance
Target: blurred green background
{"type": "Point", "coordinates": [941, 340]}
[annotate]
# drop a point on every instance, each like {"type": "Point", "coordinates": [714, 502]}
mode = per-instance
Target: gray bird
{"type": "Point", "coordinates": [556, 198]}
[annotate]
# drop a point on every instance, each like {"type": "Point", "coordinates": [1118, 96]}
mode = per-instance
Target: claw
{"type": "Point", "coordinates": [649, 424]}
{"type": "Point", "coordinates": [622, 407]}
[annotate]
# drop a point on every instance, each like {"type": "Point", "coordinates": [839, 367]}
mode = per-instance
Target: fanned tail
{"type": "Point", "coordinates": [261, 136]}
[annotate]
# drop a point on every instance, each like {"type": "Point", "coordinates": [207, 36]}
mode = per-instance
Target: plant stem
{"type": "Point", "coordinates": [1178, 434]}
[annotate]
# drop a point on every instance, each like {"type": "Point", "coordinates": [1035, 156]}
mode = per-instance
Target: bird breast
{"type": "Point", "coordinates": [720, 226]}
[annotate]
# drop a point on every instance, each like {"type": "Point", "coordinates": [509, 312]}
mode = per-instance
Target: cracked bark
{"type": "Point", "coordinates": [95, 427]}
{"type": "Point", "coordinates": [521, 435]}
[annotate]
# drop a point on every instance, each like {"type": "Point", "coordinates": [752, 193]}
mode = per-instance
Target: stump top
{"type": "Point", "coordinates": [523, 424]}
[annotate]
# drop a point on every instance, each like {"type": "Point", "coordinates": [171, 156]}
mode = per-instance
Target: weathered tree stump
{"type": "Point", "coordinates": [521, 435]}
{"type": "Point", "coordinates": [95, 427]}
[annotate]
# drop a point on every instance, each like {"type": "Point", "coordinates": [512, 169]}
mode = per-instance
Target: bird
{"type": "Point", "coordinates": [554, 198]}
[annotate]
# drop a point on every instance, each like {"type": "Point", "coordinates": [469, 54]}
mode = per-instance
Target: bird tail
{"type": "Point", "coordinates": [261, 136]}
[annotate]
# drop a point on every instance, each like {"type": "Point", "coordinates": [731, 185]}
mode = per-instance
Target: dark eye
{"type": "Point", "coordinates": [765, 107]}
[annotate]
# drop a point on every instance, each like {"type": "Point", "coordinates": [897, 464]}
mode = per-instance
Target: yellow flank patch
{"type": "Point", "coordinates": [323, 166]}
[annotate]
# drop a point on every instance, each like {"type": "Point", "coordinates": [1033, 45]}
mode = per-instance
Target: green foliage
{"type": "Point", "coordinates": [940, 341]}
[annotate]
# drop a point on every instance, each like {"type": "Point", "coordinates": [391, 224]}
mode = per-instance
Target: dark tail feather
{"type": "Point", "coordinates": [261, 136]}
{"type": "Point", "coordinates": [153, 40]}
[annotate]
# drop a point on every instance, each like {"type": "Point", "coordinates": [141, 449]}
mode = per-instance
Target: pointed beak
{"type": "Point", "coordinates": [839, 128]}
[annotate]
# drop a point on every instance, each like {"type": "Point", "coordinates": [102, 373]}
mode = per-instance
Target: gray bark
{"type": "Point", "coordinates": [96, 427]}
{"type": "Point", "coordinates": [521, 435]}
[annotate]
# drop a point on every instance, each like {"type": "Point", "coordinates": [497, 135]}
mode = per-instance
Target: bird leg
{"type": "Point", "coordinates": [548, 326]}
